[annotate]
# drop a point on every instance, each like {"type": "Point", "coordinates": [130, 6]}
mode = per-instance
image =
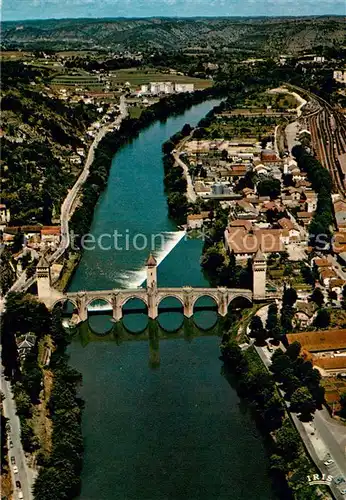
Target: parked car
{"type": "Point", "coordinates": [11, 443]}
{"type": "Point", "coordinates": [20, 495]}
{"type": "Point", "coordinates": [343, 491]}
{"type": "Point", "coordinates": [339, 480]}
{"type": "Point", "coordinates": [327, 463]}
{"type": "Point", "coordinates": [18, 485]}
{"type": "Point", "coordinates": [15, 469]}
{"type": "Point", "coordinates": [13, 460]}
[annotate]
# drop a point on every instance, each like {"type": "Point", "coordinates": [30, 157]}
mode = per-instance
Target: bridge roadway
{"type": "Point", "coordinates": [151, 297]}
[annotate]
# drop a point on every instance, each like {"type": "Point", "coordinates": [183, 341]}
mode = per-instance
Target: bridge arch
{"type": "Point", "coordinates": [169, 296]}
{"type": "Point", "coordinates": [205, 294]}
{"type": "Point", "coordinates": [240, 298]}
{"type": "Point", "coordinates": [134, 314]}
{"type": "Point", "coordinates": [62, 301]}
{"type": "Point", "coordinates": [100, 298]}
{"type": "Point", "coordinates": [170, 313]}
{"type": "Point", "coordinates": [125, 300]}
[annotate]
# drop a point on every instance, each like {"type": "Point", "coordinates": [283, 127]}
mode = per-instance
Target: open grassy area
{"type": "Point", "coordinates": [141, 76]}
{"type": "Point", "coordinates": [135, 111]}
{"type": "Point", "coordinates": [242, 126]}
{"type": "Point", "coordinates": [14, 55]}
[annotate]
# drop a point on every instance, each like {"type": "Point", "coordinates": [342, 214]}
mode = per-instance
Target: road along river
{"type": "Point", "coordinates": [177, 430]}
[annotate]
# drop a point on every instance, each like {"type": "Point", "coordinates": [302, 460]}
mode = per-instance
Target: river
{"type": "Point", "coordinates": [176, 430]}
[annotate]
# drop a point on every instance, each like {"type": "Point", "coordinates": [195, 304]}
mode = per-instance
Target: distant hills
{"type": "Point", "coordinates": [268, 35]}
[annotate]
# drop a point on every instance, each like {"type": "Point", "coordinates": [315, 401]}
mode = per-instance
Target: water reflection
{"type": "Point", "coordinates": [135, 316]}
{"type": "Point", "coordinates": [171, 314]}
{"type": "Point", "coordinates": [100, 317]}
{"type": "Point", "coordinates": [205, 313]}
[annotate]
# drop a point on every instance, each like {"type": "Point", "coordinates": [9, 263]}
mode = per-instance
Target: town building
{"type": "Point", "coordinates": [195, 221]}
{"type": "Point", "coordinates": [339, 76]}
{"type": "Point", "coordinates": [326, 349]}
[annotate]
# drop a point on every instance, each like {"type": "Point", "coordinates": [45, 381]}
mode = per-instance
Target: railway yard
{"type": "Point", "coordinates": [328, 138]}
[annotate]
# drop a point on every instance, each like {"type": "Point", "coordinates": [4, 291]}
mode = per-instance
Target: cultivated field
{"type": "Point", "coordinates": [137, 77]}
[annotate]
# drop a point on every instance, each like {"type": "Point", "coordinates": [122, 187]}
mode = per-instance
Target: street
{"type": "Point", "coordinates": [25, 475]}
{"type": "Point", "coordinates": [321, 437]}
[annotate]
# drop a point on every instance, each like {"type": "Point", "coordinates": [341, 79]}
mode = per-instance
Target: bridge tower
{"type": "Point", "coordinates": [43, 279]}
{"type": "Point", "coordinates": [259, 269]}
{"type": "Point", "coordinates": [151, 265]}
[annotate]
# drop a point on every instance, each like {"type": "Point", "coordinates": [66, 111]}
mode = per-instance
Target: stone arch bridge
{"type": "Point", "coordinates": [151, 297]}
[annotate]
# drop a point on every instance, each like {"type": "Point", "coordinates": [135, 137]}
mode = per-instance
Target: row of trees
{"type": "Point", "coordinates": [59, 475]}
{"type": "Point", "coordinates": [256, 385]}
{"type": "Point", "coordinates": [321, 181]}
{"type": "Point", "coordinates": [299, 380]}
{"type": "Point", "coordinates": [174, 180]}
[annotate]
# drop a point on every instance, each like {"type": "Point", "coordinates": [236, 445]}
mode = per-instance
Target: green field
{"type": "Point", "coordinates": [142, 76]}
{"type": "Point", "coordinates": [135, 111]}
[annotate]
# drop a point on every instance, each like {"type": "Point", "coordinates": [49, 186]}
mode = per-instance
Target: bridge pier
{"type": "Point", "coordinates": [222, 306]}
{"type": "Point", "coordinates": [153, 310]}
{"type": "Point", "coordinates": [82, 306]}
{"type": "Point", "coordinates": [116, 308]}
{"type": "Point", "coordinates": [188, 304]}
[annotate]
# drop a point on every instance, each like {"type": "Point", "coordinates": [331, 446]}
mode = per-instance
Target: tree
{"type": "Point", "coordinates": [212, 259]}
{"type": "Point", "coordinates": [303, 403]}
{"type": "Point", "coordinates": [278, 463]}
{"type": "Point", "coordinates": [293, 350]}
{"type": "Point", "coordinates": [322, 319]}
{"type": "Point", "coordinates": [269, 187]}
{"type": "Point", "coordinates": [287, 314]}
{"type": "Point", "coordinates": [287, 441]}
{"type": "Point", "coordinates": [280, 363]}
{"type": "Point", "coordinates": [233, 356]}
{"type": "Point", "coordinates": [289, 297]}
{"type": "Point", "coordinates": [317, 297]}
{"type": "Point", "coordinates": [257, 330]}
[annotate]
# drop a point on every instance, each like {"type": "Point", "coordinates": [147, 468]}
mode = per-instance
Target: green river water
{"type": "Point", "coordinates": [177, 429]}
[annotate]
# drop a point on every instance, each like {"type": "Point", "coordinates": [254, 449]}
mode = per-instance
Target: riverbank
{"type": "Point", "coordinates": [113, 141]}
{"type": "Point", "coordinates": [290, 463]}
{"type": "Point", "coordinates": [68, 270]}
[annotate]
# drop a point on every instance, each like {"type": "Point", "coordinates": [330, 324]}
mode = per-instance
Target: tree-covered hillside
{"type": "Point", "coordinates": [39, 135]}
{"type": "Point", "coordinates": [268, 35]}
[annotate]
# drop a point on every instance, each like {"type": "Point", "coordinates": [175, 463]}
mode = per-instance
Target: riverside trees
{"type": "Point", "coordinates": [255, 384]}
{"type": "Point", "coordinates": [294, 374]}
{"type": "Point", "coordinates": [321, 182]}
{"type": "Point", "coordinates": [59, 475]}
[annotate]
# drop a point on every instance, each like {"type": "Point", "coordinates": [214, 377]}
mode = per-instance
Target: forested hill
{"type": "Point", "coordinates": [39, 134]}
{"type": "Point", "coordinates": [269, 35]}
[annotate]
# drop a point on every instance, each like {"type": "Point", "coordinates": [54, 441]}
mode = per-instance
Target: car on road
{"type": "Point", "coordinates": [339, 480]}
{"type": "Point", "coordinates": [13, 460]}
{"type": "Point", "coordinates": [343, 491]}
{"type": "Point", "coordinates": [15, 469]}
{"type": "Point", "coordinates": [327, 463]}
{"type": "Point", "coordinates": [18, 485]}
{"type": "Point", "coordinates": [11, 443]}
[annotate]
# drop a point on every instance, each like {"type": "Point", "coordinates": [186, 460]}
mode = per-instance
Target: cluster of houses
{"type": "Point", "coordinates": [251, 215]}
{"type": "Point", "coordinates": [40, 238]}
{"type": "Point", "coordinates": [326, 349]}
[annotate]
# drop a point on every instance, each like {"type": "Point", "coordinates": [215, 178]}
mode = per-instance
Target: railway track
{"type": "Point", "coordinates": [328, 134]}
